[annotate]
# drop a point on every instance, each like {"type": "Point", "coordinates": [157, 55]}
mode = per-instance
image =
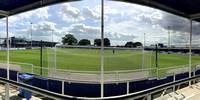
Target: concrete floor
{"type": "Point", "coordinates": [14, 94]}
{"type": "Point", "coordinates": [188, 93]}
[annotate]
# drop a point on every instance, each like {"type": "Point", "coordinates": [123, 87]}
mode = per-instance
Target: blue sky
{"type": "Point", "coordinates": [123, 22]}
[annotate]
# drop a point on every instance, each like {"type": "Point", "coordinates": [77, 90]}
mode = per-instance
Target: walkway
{"type": "Point", "coordinates": [188, 93]}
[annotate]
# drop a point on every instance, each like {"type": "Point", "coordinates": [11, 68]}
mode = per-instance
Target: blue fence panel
{"type": "Point", "coordinates": [82, 90]}
{"type": "Point", "coordinates": [182, 76]}
{"type": "Point", "coordinates": [137, 86]}
{"type": "Point", "coordinates": [192, 73]}
{"type": "Point", "coordinates": [55, 86]}
{"type": "Point", "coordinates": [162, 81]}
{"type": "Point", "coordinates": [115, 89]}
{"type": "Point", "coordinates": [197, 72]}
{"type": "Point", "coordinates": [40, 82]}
{"type": "Point", "coordinates": [186, 75]}
{"type": "Point", "coordinates": [13, 75]}
{"type": "Point", "coordinates": [151, 82]}
{"type": "Point", "coordinates": [3, 73]}
{"type": "Point", "coordinates": [170, 79]}
{"type": "Point", "coordinates": [179, 76]}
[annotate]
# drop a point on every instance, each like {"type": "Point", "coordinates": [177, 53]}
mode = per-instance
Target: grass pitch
{"type": "Point", "coordinates": [90, 59]}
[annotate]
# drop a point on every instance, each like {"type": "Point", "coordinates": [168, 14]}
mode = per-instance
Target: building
{"type": "Point", "coordinates": [23, 43]}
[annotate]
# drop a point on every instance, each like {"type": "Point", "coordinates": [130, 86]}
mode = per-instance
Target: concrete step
{"type": "Point", "coordinates": [173, 94]}
{"type": "Point", "coordinates": [182, 93]}
{"type": "Point", "coordinates": [165, 97]}
{"type": "Point", "coordinates": [179, 97]}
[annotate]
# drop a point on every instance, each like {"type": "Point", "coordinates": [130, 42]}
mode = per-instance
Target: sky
{"type": "Point", "coordinates": [123, 22]}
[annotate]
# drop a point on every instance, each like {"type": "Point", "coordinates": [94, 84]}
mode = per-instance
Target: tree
{"type": "Point", "coordinates": [97, 42]}
{"type": "Point", "coordinates": [106, 42]}
{"type": "Point", "coordinates": [69, 39]}
{"type": "Point", "coordinates": [129, 44]}
{"type": "Point", "coordinates": [84, 42]}
{"type": "Point", "coordinates": [137, 44]}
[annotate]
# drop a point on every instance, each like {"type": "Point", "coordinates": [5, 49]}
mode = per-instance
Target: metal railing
{"type": "Point", "coordinates": [127, 81]}
{"type": "Point", "coordinates": [135, 95]}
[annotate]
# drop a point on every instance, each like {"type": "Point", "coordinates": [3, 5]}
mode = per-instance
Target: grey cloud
{"type": "Point", "coordinates": [177, 24]}
{"type": "Point", "coordinates": [81, 31]}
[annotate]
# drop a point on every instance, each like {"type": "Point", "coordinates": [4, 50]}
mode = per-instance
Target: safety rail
{"type": "Point", "coordinates": [173, 77]}
{"type": "Point", "coordinates": [98, 72]}
{"type": "Point", "coordinates": [135, 95]}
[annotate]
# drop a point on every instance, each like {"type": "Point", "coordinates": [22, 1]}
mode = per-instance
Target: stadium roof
{"type": "Point", "coordinates": [13, 7]}
{"type": "Point", "coordinates": [186, 8]}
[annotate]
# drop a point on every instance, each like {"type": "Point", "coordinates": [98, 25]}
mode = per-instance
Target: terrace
{"type": "Point", "coordinates": [109, 83]}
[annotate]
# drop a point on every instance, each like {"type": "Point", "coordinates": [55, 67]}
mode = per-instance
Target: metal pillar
{"type": "Point", "coordinates": [169, 36]}
{"type": "Point", "coordinates": [143, 54]}
{"type": "Point", "coordinates": [7, 84]}
{"type": "Point", "coordinates": [31, 34]}
{"type": "Point", "coordinates": [52, 40]}
{"type": "Point", "coordinates": [55, 57]}
{"type": "Point", "coordinates": [156, 60]}
{"type": "Point", "coordinates": [144, 39]}
{"type": "Point", "coordinates": [102, 47]}
{"type": "Point", "coordinates": [143, 59]}
{"type": "Point", "coordinates": [190, 51]}
{"type": "Point", "coordinates": [41, 59]}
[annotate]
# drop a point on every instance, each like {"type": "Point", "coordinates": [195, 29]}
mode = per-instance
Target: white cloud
{"type": "Point", "coordinates": [70, 14]}
{"type": "Point", "coordinates": [149, 18]}
{"type": "Point", "coordinates": [86, 11]}
{"type": "Point", "coordinates": [42, 13]}
{"type": "Point", "coordinates": [107, 10]}
{"type": "Point", "coordinates": [43, 28]}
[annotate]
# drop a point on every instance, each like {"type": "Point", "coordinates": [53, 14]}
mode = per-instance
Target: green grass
{"type": "Point", "coordinates": [90, 59]}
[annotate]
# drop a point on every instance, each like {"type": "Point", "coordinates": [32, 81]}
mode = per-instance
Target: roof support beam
{"type": "Point", "coordinates": [195, 16]}
{"type": "Point", "coordinates": [4, 13]}
{"type": "Point", "coordinates": [156, 5]}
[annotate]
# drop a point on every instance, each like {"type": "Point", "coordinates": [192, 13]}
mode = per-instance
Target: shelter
{"type": "Point", "coordinates": [186, 8]}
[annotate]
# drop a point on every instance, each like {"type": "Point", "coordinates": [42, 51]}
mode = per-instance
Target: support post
{"type": "Point", "coordinates": [127, 90]}
{"type": "Point", "coordinates": [174, 79]}
{"type": "Point", "coordinates": [156, 61]}
{"type": "Point", "coordinates": [149, 97]}
{"type": "Point", "coordinates": [63, 87]}
{"type": "Point", "coordinates": [143, 54]}
{"type": "Point", "coordinates": [8, 74]}
{"type": "Point", "coordinates": [41, 59]}
{"type": "Point", "coordinates": [102, 48]}
{"type": "Point", "coordinates": [55, 57]}
{"type": "Point", "coordinates": [190, 52]}
{"type": "Point", "coordinates": [31, 34]}
{"type": "Point", "coordinates": [194, 74]}
{"type": "Point", "coordinates": [52, 40]}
